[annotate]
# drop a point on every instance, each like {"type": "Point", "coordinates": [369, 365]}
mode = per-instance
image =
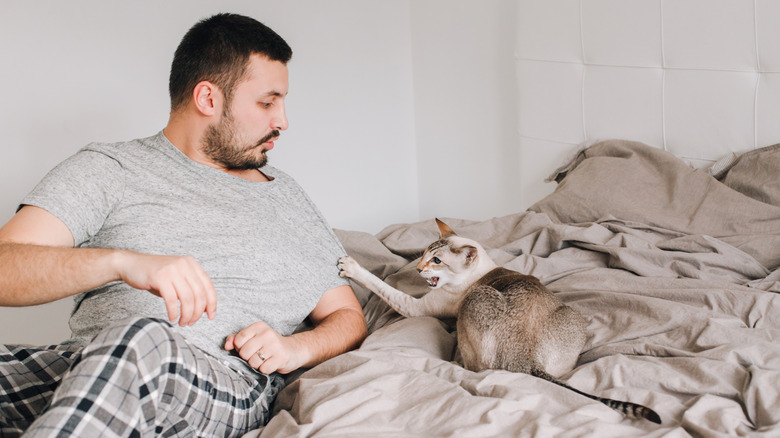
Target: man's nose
{"type": "Point", "coordinates": [280, 121]}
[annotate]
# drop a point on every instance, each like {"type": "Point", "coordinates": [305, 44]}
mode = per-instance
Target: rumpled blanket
{"type": "Point", "coordinates": [675, 272]}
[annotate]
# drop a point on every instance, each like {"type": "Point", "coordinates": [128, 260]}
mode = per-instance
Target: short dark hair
{"type": "Point", "coordinates": [217, 49]}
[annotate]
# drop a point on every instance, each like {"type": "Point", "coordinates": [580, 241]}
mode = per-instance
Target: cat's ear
{"type": "Point", "coordinates": [470, 252]}
{"type": "Point", "coordinates": [444, 229]}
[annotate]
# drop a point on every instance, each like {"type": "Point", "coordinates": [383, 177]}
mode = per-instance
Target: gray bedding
{"type": "Point", "coordinates": [677, 274]}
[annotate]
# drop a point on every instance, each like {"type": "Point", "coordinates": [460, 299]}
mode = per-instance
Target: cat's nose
{"type": "Point", "coordinates": [419, 270]}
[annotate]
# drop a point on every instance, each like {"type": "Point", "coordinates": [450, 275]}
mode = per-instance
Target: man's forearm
{"type": "Point", "coordinates": [339, 332]}
{"type": "Point", "coordinates": [35, 274]}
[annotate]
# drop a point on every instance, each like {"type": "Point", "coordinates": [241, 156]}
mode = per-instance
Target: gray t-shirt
{"type": "Point", "coordinates": [266, 247]}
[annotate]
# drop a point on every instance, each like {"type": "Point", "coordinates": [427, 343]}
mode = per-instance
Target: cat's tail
{"type": "Point", "coordinates": [631, 410]}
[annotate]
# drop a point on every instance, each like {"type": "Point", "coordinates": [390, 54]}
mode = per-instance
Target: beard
{"type": "Point", "coordinates": [220, 144]}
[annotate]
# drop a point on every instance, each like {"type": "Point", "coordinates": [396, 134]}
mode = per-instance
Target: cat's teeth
{"type": "Point", "coordinates": [433, 281]}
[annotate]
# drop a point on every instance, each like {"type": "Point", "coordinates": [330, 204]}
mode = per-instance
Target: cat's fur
{"type": "Point", "coordinates": [505, 320]}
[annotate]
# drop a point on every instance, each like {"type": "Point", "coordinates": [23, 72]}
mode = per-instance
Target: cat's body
{"type": "Point", "coordinates": [505, 320]}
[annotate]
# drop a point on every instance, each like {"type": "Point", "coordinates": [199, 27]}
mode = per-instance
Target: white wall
{"type": "Point", "coordinates": [73, 77]}
{"type": "Point", "coordinates": [464, 95]}
{"type": "Point", "coordinates": [696, 80]}
{"type": "Point", "coordinates": [399, 110]}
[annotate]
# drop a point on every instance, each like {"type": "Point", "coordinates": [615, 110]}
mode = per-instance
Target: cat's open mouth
{"type": "Point", "coordinates": [433, 281]}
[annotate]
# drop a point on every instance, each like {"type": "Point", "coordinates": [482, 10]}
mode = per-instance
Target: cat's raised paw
{"type": "Point", "coordinates": [348, 266]}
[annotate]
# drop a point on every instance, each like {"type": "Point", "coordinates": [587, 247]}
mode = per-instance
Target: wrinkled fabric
{"type": "Point", "coordinates": [681, 301]}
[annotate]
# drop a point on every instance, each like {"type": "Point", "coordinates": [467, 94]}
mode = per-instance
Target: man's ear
{"type": "Point", "coordinates": [207, 98]}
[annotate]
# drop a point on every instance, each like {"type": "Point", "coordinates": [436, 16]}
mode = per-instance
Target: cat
{"type": "Point", "coordinates": [505, 320]}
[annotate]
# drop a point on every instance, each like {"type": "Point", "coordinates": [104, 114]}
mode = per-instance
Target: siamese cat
{"type": "Point", "coordinates": [505, 320]}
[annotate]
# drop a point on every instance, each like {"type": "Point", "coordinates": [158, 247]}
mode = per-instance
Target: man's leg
{"type": "Point", "coordinates": [141, 378]}
{"type": "Point", "coordinates": [28, 378]}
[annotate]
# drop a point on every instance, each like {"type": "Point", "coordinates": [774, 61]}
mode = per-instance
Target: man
{"type": "Point", "coordinates": [171, 227]}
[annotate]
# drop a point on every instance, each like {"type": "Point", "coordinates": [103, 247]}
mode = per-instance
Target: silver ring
{"type": "Point", "coordinates": [260, 355]}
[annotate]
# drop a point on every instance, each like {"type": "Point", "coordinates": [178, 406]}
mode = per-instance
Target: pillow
{"type": "Point", "coordinates": [757, 174]}
{"type": "Point", "coordinates": [634, 182]}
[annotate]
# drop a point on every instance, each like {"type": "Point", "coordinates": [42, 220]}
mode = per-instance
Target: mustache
{"type": "Point", "coordinates": [271, 135]}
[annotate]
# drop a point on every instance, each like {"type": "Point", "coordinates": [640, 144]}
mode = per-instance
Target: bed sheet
{"type": "Point", "coordinates": [675, 272]}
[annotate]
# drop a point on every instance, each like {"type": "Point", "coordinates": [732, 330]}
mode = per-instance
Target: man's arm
{"type": "Point", "coordinates": [339, 327]}
{"type": "Point", "coordinates": [38, 264]}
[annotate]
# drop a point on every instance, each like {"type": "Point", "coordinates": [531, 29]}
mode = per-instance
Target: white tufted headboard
{"type": "Point", "coordinates": [699, 78]}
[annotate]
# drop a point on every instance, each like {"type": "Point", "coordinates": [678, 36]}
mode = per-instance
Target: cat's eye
{"type": "Point", "coordinates": [436, 260]}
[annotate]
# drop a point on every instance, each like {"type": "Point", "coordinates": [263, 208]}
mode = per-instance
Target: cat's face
{"type": "Point", "coordinates": [448, 261]}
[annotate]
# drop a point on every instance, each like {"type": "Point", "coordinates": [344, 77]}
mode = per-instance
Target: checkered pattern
{"type": "Point", "coordinates": [138, 378]}
{"type": "Point", "coordinates": [28, 378]}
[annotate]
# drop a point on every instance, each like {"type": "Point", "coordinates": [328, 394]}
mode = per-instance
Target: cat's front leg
{"type": "Point", "coordinates": [350, 268]}
{"type": "Point", "coordinates": [401, 302]}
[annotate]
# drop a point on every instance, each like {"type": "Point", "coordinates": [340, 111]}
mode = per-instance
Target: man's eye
{"type": "Point", "coordinates": [436, 260]}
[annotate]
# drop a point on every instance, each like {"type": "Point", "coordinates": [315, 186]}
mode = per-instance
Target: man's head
{"type": "Point", "coordinates": [233, 70]}
{"type": "Point", "coordinates": [217, 49]}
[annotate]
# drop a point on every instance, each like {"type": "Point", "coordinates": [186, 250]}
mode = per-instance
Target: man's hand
{"type": "Point", "coordinates": [38, 264]}
{"type": "Point", "coordinates": [265, 350]}
{"type": "Point", "coordinates": [339, 326]}
{"type": "Point", "coordinates": [180, 281]}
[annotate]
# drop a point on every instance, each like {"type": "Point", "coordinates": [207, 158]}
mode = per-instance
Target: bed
{"type": "Point", "coordinates": [677, 273]}
{"type": "Point", "coordinates": [665, 236]}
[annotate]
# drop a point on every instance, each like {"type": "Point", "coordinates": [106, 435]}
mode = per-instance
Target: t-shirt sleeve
{"type": "Point", "coordinates": [81, 191]}
{"type": "Point", "coordinates": [323, 248]}
{"type": "Point", "coordinates": [327, 250]}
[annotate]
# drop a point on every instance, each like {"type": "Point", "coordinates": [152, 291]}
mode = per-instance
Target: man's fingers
{"type": "Point", "coordinates": [211, 298]}
{"type": "Point", "coordinates": [247, 341]}
{"type": "Point", "coordinates": [263, 364]}
{"type": "Point", "coordinates": [182, 283]}
{"type": "Point", "coordinates": [268, 363]}
{"type": "Point", "coordinates": [250, 349]}
{"type": "Point", "coordinates": [241, 338]}
{"type": "Point", "coordinates": [186, 301]}
{"type": "Point", "coordinates": [171, 302]}
{"type": "Point", "coordinates": [198, 294]}
{"type": "Point", "coordinates": [260, 338]}
{"type": "Point", "coordinates": [206, 295]}
{"type": "Point", "coordinates": [229, 345]}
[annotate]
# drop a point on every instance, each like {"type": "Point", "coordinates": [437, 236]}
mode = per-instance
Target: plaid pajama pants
{"type": "Point", "coordinates": [137, 378]}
